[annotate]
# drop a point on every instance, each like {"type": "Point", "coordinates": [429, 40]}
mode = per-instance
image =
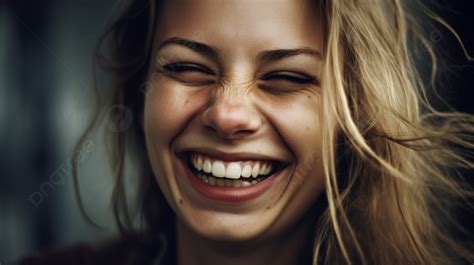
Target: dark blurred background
{"type": "Point", "coordinates": [46, 52]}
{"type": "Point", "coordinates": [45, 88]}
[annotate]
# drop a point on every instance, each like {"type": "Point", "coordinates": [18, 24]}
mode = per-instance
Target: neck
{"type": "Point", "coordinates": [193, 249]}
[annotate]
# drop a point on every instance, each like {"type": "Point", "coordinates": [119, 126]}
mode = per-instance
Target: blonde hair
{"type": "Point", "coordinates": [401, 151]}
{"type": "Point", "coordinates": [390, 203]}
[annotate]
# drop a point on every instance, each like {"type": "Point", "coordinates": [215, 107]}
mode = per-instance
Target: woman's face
{"type": "Point", "coordinates": [232, 114]}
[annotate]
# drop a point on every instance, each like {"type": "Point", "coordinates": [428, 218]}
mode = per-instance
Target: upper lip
{"type": "Point", "coordinates": [225, 156]}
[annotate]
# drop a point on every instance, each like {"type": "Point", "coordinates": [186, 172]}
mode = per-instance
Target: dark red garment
{"type": "Point", "coordinates": [118, 252]}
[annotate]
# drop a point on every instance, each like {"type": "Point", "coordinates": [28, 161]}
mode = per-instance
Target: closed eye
{"type": "Point", "coordinates": [190, 73]}
{"type": "Point", "coordinates": [291, 77]}
{"type": "Point", "coordinates": [182, 67]}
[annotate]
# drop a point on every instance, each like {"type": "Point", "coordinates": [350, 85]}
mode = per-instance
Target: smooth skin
{"type": "Point", "coordinates": [238, 76]}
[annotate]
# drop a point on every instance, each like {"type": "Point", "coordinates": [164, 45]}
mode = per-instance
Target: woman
{"type": "Point", "coordinates": [278, 132]}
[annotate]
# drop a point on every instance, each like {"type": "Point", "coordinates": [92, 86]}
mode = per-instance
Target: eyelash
{"type": "Point", "coordinates": [290, 77]}
{"type": "Point", "coordinates": [295, 78]}
{"type": "Point", "coordinates": [186, 67]}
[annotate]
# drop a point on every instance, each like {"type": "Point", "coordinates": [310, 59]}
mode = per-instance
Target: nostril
{"type": "Point", "coordinates": [231, 120]}
{"type": "Point", "coordinates": [239, 134]}
{"type": "Point", "coordinates": [232, 131]}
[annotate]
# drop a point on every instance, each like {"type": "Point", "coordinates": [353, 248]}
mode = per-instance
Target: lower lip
{"type": "Point", "coordinates": [229, 194]}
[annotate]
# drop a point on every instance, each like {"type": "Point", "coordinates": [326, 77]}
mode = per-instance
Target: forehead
{"type": "Point", "coordinates": [242, 24]}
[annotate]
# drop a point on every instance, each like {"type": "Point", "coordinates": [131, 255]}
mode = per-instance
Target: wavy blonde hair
{"type": "Point", "coordinates": [391, 161]}
{"type": "Point", "coordinates": [401, 151]}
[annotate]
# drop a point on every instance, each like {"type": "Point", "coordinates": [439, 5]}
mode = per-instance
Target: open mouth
{"type": "Point", "coordinates": [236, 174]}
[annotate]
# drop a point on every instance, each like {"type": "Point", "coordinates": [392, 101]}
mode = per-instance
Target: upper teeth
{"type": "Point", "coordinates": [231, 170]}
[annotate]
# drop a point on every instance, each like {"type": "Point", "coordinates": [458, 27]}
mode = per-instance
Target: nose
{"type": "Point", "coordinates": [231, 116]}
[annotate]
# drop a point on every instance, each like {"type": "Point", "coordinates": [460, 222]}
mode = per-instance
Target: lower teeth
{"type": "Point", "coordinates": [225, 182]}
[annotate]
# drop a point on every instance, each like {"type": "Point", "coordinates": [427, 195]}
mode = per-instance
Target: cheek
{"type": "Point", "coordinates": [299, 124]}
{"type": "Point", "coordinates": [167, 111]}
{"type": "Point", "coordinates": [307, 144]}
{"type": "Point", "coordinates": [162, 120]}
{"type": "Point", "coordinates": [305, 124]}
{"type": "Point", "coordinates": [298, 121]}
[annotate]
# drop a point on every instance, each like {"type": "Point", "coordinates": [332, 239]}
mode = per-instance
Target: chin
{"type": "Point", "coordinates": [228, 227]}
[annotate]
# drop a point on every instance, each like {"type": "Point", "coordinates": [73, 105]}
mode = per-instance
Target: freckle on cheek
{"type": "Point", "coordinates": [180, 201]}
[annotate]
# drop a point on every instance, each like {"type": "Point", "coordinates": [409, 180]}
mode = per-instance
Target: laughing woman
{"type": "Point", "coordinates": [279, 132]}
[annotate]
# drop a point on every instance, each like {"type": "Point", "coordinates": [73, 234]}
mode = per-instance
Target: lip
{"type": "Point", "coordinates": [229, 194]}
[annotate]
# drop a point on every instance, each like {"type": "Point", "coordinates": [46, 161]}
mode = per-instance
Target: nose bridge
{"type": "Point", "coordinates": [236, 86]}
{"type": "Point", "coordinates": [233, 92]}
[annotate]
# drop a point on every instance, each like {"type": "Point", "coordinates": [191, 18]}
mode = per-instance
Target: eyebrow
{"type": "Point", "coordinates": [267, 55]}
{"type": "Point", "coordinates": [198, 47]}
{"type": "Point", "coordinates": [274, 55]}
